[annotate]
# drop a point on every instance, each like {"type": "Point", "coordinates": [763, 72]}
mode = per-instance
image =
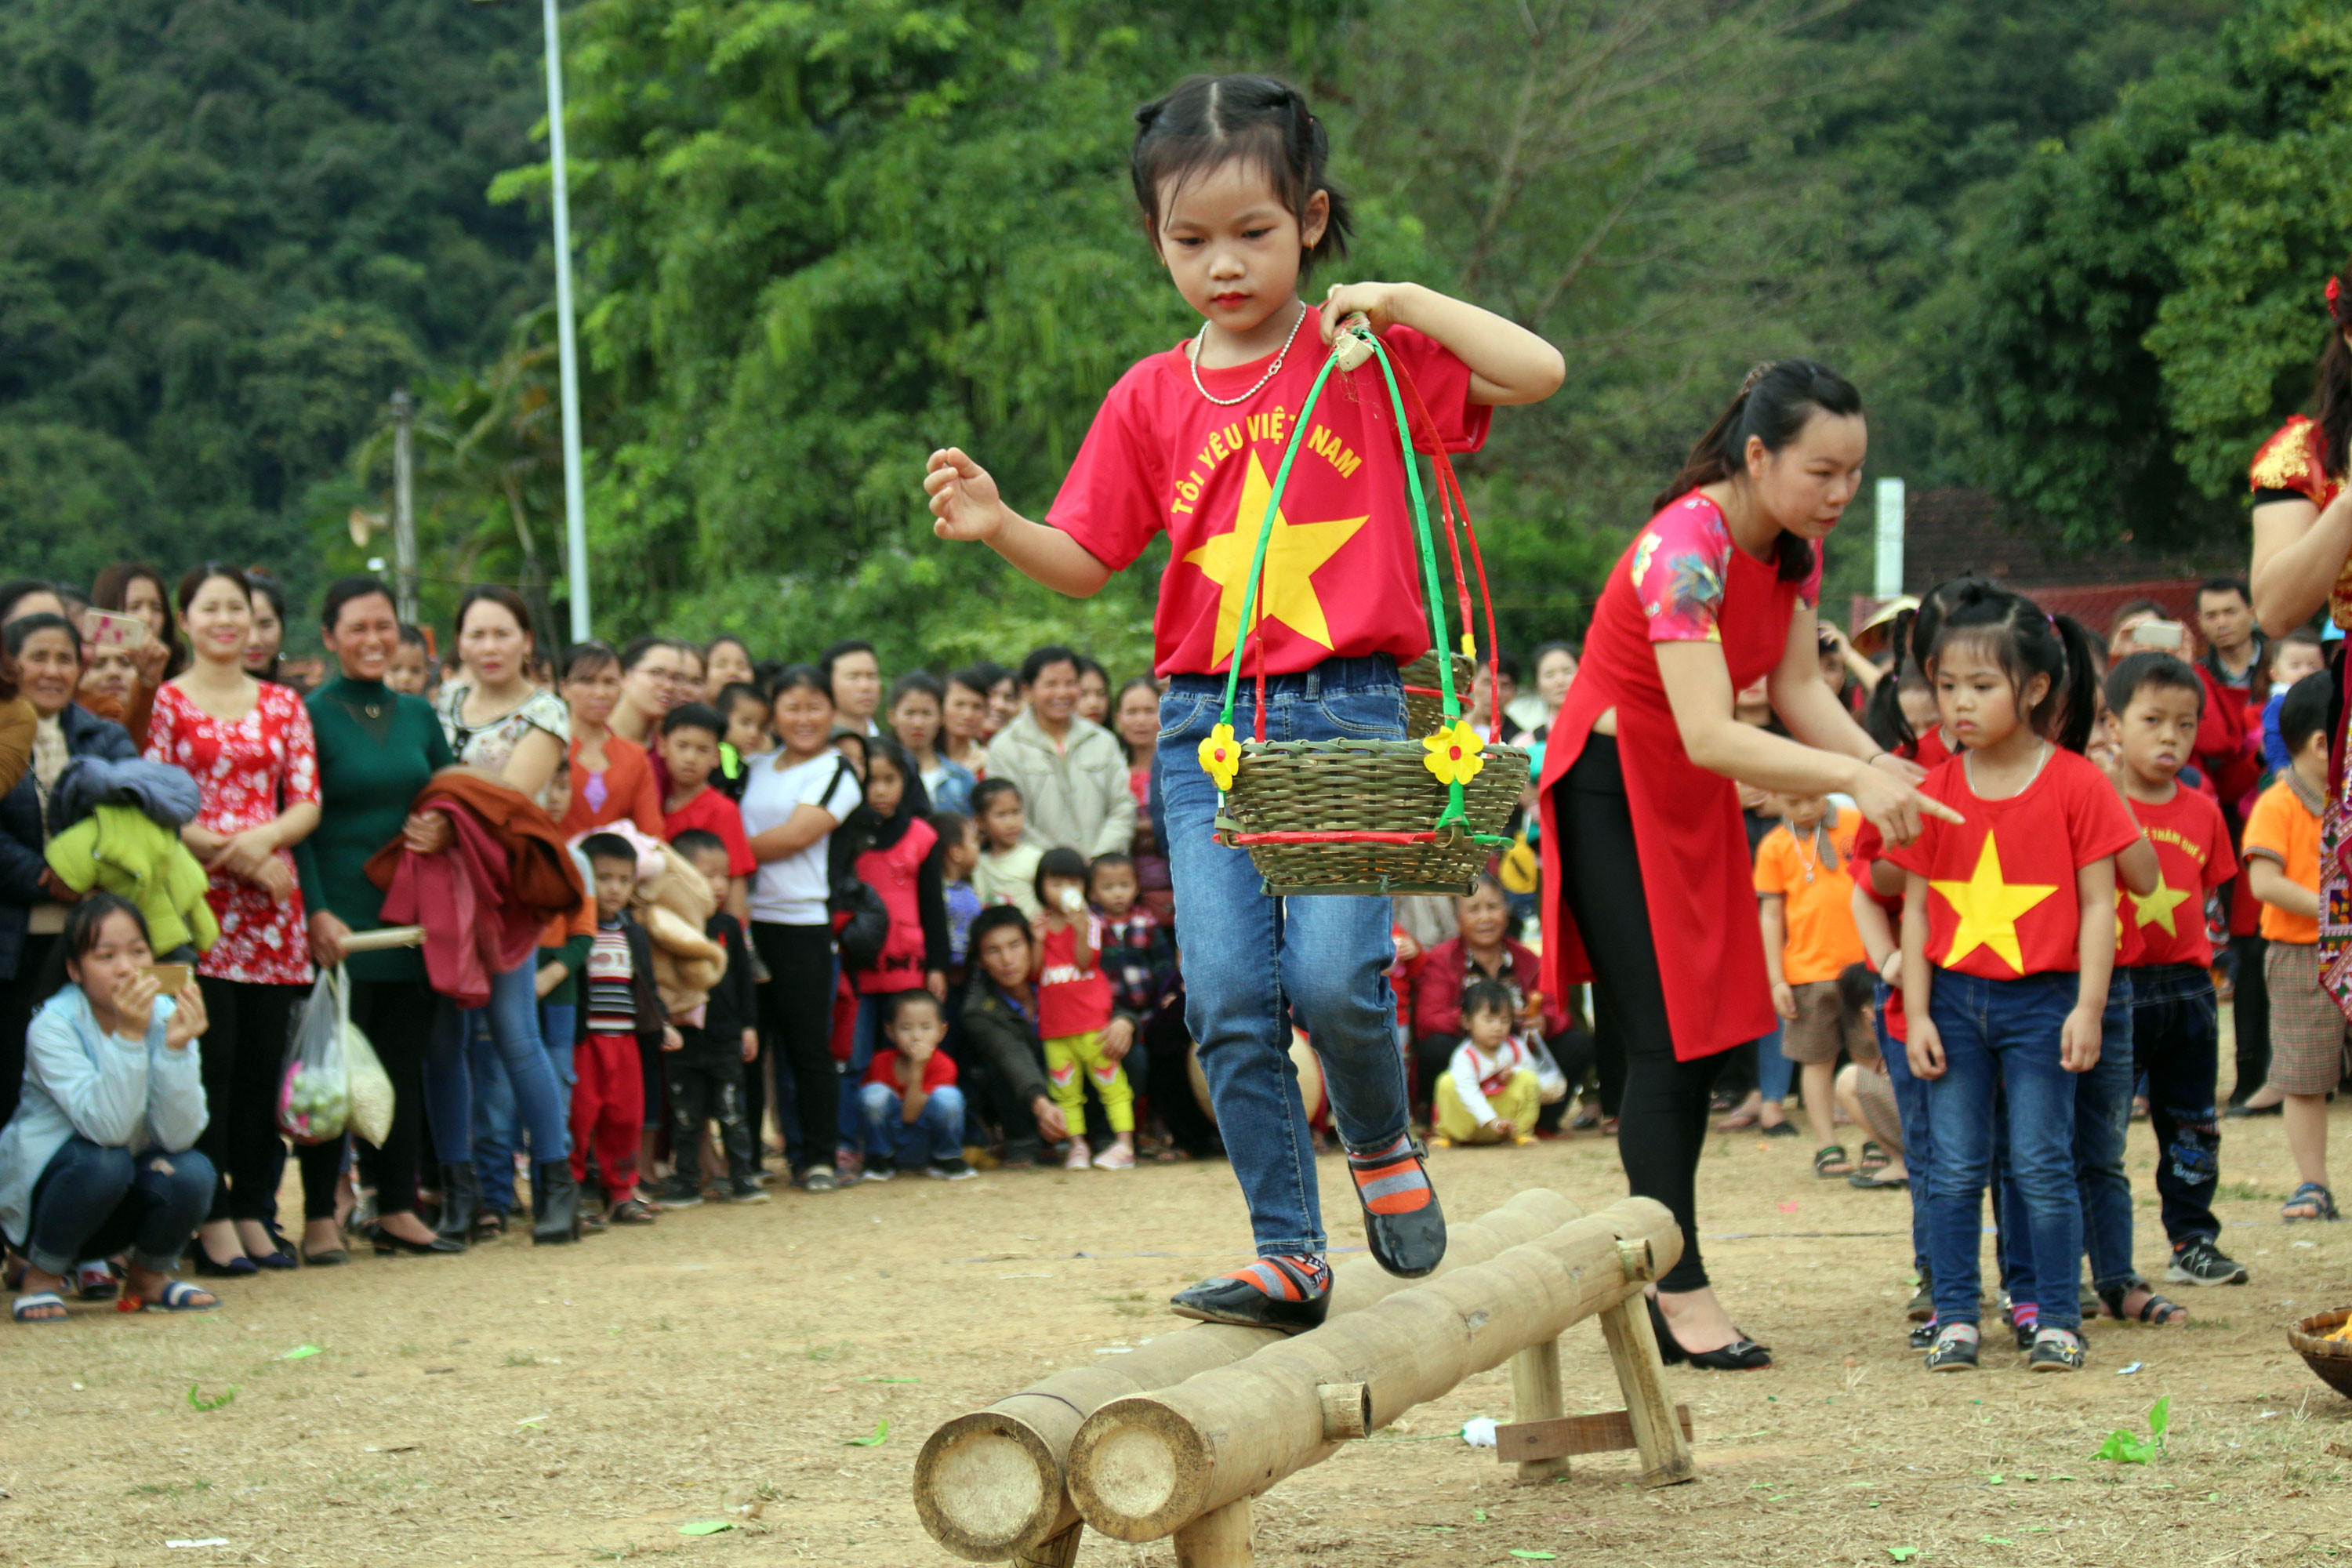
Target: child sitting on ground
{"type": "Point", "coordinates": [914, 1111]}
{"type": "Point", "coordinates": [625, 1020]}
{"type": "Point", "coordinates": [2282, 847]}
{"type": "Point", "coordinates": [1866, 1093]}
{"type": "Point", "coordinates": [705, 1072]}
{"type": "Point", "coordinates": [1491, 1090]}
{"type": "Point", "coordinates": [691, 737]}
{"type": "Point", "coordinates": [1007, 871]}
{"type": "Point", "coordinates": [1074, 1007]}
{"type": "Point", "coordinates": [1804, 897]}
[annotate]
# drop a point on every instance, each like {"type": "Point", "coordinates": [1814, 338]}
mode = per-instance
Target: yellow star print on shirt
{"type": "Point", "coordinates": [1293, 555]}
{"type": "Point", "coordinates": [1989, 909]}
{"type": "Point", "coordinates": [2156, 908]}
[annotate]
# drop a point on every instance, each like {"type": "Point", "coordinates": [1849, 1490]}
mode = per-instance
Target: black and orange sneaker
{"type": "Point", "coordinates": [1292, 1294]}
{"type": "Point", "coordinates": [1403, 1224]}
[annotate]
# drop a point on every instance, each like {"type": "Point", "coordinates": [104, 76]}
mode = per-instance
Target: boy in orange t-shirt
{"type": "Point", "coordinates": [2282, 856]}
{"type": "Point", "coordinates": [1804, 897]}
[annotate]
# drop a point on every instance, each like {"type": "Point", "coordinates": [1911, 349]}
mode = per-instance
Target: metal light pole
{"type": "Point", "coordinates": [575, 512]}
{"type": "Point", "coordinates": [403, 509]}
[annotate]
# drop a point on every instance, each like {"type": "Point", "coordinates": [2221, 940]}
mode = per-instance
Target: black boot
{"type": "Point", "coordinates": [461, 1195]}
{"type": "Point", "coordinates": [554, 1202]}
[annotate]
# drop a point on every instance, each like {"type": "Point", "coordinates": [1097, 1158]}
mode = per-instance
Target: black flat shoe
{"type": "Point", "coordinates": [236, 1268]}
{"type": "Point", "coordinates": [1410, 1244]}
{"type": "Point", "coordinates": [280, 1255]}
{"type": "Point", "coordinates": [327, 1257]}
{"type": "Point", "coordinates": [1228, 1301]}
{"type": "Point", "coordinates": [1742, 1354]}
{"type": "Point", "coordinates": [390, 1244]}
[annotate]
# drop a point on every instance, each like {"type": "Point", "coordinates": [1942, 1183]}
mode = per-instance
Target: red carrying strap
{"type": "Point", "coordinates": [1450, 499]}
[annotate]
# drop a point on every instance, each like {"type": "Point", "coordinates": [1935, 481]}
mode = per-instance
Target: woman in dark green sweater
{"type": "Point", "coordinates": [376, 750]}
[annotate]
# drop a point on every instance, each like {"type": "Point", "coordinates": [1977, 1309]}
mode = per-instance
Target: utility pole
{"type": "Point", "coordinates": [575, 512]}
{"type": "Point", "coordinates": [404, 506]}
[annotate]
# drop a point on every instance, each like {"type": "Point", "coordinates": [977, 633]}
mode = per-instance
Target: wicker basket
{"type": "Point", "coordinates": [1365, 787]}
{"type": "Point", "coordinates": [2331, 1359]}
{"type": "Point", "coordinates": [1424, 704]}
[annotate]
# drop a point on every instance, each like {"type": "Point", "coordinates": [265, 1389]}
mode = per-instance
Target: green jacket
{"type": "Point", "coordinates": [119, 850]}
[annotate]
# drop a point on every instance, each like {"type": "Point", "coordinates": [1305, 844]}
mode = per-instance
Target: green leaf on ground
{"type": "Point", "coordinates": [299, 1353]}
{"type": "Point", "coordinates": [1535, 1556]}
{"type": "Point", "coordinates": [881, 1434]}
{"type": "Point", "coordinates": [1902, 1553]}
{"type": "Point", "coordinates": [706, 1527]}
{"type": "Point", "coordinates": [889, 1380]}
{"type": "Point", "coordinates": [227, 1397]}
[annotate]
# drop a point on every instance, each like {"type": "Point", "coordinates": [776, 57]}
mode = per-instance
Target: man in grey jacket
{"type": "Point", "coordinates": [1072, 773]}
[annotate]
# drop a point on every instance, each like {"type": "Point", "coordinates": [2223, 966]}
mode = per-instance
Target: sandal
{"type": "Point", "coordinates": [181, 1296]}
{"type": "Point", "coordinates": [2313, 1201]}
{"type": "Point", "coordinates": [489, 1225]}
{"type": "Point", "coordinates": [2156, 1308]}
{"type": "Point", "coordinates": [1874, 1158]}
{"type": "Point", "coordinates": [1738, 1121]}
{"type": "Point", "coordinates": [40, 1302]}
{"type": "Point", "coordinates": [1830, 1163]}
{"type": "Point", "coordinates": [94, 1281]}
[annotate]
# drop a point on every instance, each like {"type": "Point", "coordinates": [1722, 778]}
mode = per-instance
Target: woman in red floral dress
{"type": "Point", "coordinates": [2302, 563]}
{"type": "Point", "coordinates": [248, 744]}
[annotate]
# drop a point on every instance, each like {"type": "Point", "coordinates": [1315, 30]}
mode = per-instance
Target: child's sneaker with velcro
{"type": "Point", "coordinates": [2057, 1350]}
{"type": "Point", "coordinates": [1955, 1349]}
{"type": "Point", "coordinates": [2197, 1261]}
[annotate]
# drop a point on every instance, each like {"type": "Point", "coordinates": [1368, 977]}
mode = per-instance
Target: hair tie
{"type": "Point", "coordinates": [2335, 300]}
{"type": "Point", "coordinates": [1762, 369]}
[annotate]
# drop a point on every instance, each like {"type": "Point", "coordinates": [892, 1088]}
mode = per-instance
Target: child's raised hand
{"type": "Point", "coordinates": [1784, 1000]}
{"type": "Point", "coordinates": [134, 1003]}
{"type": "Point", "coordinates": [1925, 1050]}
{"type": "Point", "coordinates": [2078, 1041]}
{"type": "Point", "coordinates": [188, 1020]}
{"type": "Point", "coordinates": [1375, 300]}
{"type": "Point", "coordinates": [963, 496]}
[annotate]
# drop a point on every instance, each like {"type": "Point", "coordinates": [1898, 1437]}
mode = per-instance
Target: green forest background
{"type": "Point", "coordinates": [2070, 250]}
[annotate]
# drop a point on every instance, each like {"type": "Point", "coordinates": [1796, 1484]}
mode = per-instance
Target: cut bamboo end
{"type": "Point", "coordinates": [1142, 1465]}
{"type": "Point", "coordinates": [1635, 1256]}
{"type": "Point", "coordinates": [1347, 1410]}
{"type": "Point", "coordinates": [989, 1487]}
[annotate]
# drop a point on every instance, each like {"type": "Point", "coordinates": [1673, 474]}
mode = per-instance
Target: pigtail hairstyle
{"type": "Point", "coordinates": [2333, 394]}
{"type": "Point", "coordinates": [1881, 716]}
{"type": "Point", "coordinates": [1773, 405]}
{"type": "Point", "coordinates": [2024, 642]}
{"type": "Point", "coordinates": [1204, 121]}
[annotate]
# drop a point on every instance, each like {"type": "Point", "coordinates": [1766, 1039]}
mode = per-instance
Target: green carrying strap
{"type": "Point", "coordinates": [1454, 816]}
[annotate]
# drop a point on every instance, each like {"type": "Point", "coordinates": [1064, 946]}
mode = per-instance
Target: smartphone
{"type": "Point", "coordinates": [105, 627]}
{"type": "Point", "coordinates": [2157, 634]}
{"type": "Point", "coordinates": [171, 978]}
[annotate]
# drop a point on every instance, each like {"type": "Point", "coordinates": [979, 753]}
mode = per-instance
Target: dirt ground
{"type": "Point", "coordinates": [581, 1405]}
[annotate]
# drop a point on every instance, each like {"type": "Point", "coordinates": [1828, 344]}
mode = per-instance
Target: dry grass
{"type": "Point", "coordinates": [579, 1405]}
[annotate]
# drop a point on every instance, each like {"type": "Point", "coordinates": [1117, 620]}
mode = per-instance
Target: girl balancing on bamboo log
{"type": "Point", "coordinates": [1645, 863]}
{"type": "Point", "coordinates": [1230, 174]}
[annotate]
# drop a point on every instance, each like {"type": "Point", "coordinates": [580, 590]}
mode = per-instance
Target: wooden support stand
{"type": "Point", "coordinates": [1218, 1539]}
{"type": "Point", "coordinates": [1607, 1432]}
{"type": "Point", "coordinates": [1061, 1552]}
{"type": "Point", "coordinates": [1536, 1398]}
{"type": "Point", "coordinates": [1633, 1352]}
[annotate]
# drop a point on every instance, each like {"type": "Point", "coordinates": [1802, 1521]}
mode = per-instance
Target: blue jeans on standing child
{"type": "Point", "coordinates": [2102, 1097]}
{"type": "Point", "coordinates": [1252, 963]}
{"type": "Point", "coordinates": [2000, 1037]}
{"type": "Point", "coordinates": [1775, 1073]}
{"type": "Point", "coordinates": [497, 1130]}
{"type": "Point", "coordinates": [1919, 1145]}
{"type": "Point", "coordinates": [2176, 1040]}
{"type": "Point", "coordinates": [94, 1202]}
{"type": "Point", "coordinates": [935, 1135]}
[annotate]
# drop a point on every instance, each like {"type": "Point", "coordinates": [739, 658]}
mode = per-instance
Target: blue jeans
{"type": "Point", "coordinates": [94, 1202]}
{"type": "Point", "coordinates": [498, 1132]}
{"type": "Point", "coordinates": [2103, 1103]}
{"type": "Point", "coordinates": [1775, 1073]}
{"type": "Point", "coordinates": [1251, 963]}
{"type": "Point", "coordinates": [2001, 1038]}
{"type": "Point", "coordinates": [1918, 1143]}
{"type": "Point", "coordinates": [866, 1038]}
{"type": "Point", "coordinates": [935, 1135]}
{"type": "Point", "coordinates": [513, 1015]}
{"type": "Point", "coordinates": [2176, 1040]}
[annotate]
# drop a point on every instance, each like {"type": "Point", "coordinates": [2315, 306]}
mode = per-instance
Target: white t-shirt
{"type": "Point", "coordinates": [791, 891]}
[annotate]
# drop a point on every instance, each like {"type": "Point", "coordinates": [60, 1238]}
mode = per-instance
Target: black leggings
{"type": "Point", "coordinates": [244, 1048]}
{"type": "Point", "coordinates": [1661, 1122]}
{"type": "Point", "coordinates": [796, 1016]}
{"type": "Point", "coordinates": [396, 1016]}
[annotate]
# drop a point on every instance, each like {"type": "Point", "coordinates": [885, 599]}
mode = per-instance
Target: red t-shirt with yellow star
{"type": "Point", "coordinates": [1341, 575]}
{"type": "Point", "coordinates": [2192, 856]}
{"type": "Point", "coordinates": [2000, 899]}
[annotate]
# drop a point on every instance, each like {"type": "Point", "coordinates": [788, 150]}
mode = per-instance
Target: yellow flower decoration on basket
{"type": "Point", "coordinates": [1220, 756]}
{"type": "Point", "coordinates": [1455, 754]}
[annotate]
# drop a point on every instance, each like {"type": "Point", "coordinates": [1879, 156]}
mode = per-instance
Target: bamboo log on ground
{"type": "Point", "coordinates": [990, 1486]}
{"type": "Point", "coordinates": [1147, 1464]}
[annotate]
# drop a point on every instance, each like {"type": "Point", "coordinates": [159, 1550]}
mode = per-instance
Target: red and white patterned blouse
{"type": "Point", "coordinates": [249, 771]}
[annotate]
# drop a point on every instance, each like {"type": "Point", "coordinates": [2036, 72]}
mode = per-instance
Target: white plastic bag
{"type": "Point", "coordinates": [314, 1098]}
{"type": "Point", "coordinates": [371, 1086]}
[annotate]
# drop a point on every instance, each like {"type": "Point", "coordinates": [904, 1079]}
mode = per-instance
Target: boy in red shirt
{"type": "Point", "coordinates": [690, 739]}
{"type": "Point", "coordinates": [913, 1108]}
{"type": "Point", "coordinates": [2158, 702]}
